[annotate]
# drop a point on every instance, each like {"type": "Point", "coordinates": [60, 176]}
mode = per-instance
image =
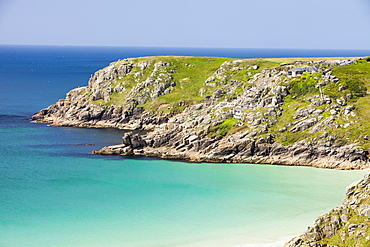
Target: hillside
{"type": "Point", "coordinates": [207, 109]}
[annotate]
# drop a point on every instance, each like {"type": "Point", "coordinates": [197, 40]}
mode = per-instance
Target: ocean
{"type": "Point", "coordinates": [54, 192]}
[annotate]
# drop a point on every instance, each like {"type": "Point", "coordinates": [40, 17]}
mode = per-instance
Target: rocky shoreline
{"type": "Point", "coordinates": [200, 149]}
{"type": "Point", "coordinates": [228, 125]}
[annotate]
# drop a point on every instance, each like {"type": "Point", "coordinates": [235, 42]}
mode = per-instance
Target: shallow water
{"type": "Point", "coordinates": [54, 192]}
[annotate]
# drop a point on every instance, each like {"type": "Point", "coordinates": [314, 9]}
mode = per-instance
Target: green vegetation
{"type": "Point", "coordinates": [353, 239]}
{"type": "Point", "coordinates": [245, 72]}
{"type": "Point", "coordinates": [356, 77]}
{"type": "Point", "coordinates": [290, 107]}
{"type": "Point", "coordinates": [248, 68]}
{"type": "Point", "coordinates": [305, 85]}
{"type": "Point", "coordinates": [222, 129]}
{"type": "Point", "coordinates": [361, 127]}
{"type": "Point", "coordinates": [192, 79]}
{"type": "Point", "coordinates": [227, 127]}
{"type": "Point", "coordinates": [188, 74]}
{"type": "Point", "coordinates": [288, 138]}
{"type": "Point", "coordinates": [353, 80]}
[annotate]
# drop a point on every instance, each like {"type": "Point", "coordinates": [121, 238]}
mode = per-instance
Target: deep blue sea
{"type": "Point", "coordinates": [54, 192]}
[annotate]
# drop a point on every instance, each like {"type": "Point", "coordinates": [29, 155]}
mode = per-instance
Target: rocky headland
{"type": "Point", "coordinates": [226, 110]}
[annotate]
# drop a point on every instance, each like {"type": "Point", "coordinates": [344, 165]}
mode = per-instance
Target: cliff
{"type": "Point", "coordinates": [347, 225]}
{"type": "Point", "coordinates": [228, 110]}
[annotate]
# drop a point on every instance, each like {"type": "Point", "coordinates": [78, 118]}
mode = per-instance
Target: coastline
{"type": "Point", "coordinates": [293, 156]}
{"type": "Point", "coordinates": [243, 128]}
{"type": "Point", "coordinates": [269, 154]}
{"type": "Point", "coordinates": [303, 156]}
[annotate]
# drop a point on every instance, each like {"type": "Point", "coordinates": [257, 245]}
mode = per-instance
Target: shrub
{"type": "Point", "coordinates": [357, 88]}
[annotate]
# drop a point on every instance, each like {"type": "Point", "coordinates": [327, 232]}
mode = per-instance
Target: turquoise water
{"type": "Point", "coordinates": [54, 192]}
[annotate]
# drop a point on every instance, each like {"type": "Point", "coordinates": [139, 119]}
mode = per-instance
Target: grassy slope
{"type": "Point", "coordinates": [357, 78]}
{"type": "Point", "coordinates": [190, 74]}
{"type": "Point", "coordinates": [306, 59]}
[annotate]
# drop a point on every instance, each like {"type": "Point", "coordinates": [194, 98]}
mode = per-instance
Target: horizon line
{"type": "Point", "coordinates": [188, 47]}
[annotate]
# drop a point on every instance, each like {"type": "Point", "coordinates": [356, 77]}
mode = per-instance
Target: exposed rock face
{"type": "Point", "coordinates": [347, 225]}
{"type": "Point", "coordinates": [237, 120]}
{"type": "Point", "coordinates": [180, 141]}
{"type": "Point", "coordinates": [82, 108]}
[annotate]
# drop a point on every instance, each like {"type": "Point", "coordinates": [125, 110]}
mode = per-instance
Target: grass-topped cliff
{"type": "Point", "coordinates": [346, 88]}
{"type": "Point", "coordinates": [185, 77]}
{"type": "Point", "coordinates": [229, 103]}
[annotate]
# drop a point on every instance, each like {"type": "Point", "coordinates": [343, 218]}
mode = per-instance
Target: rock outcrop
{"type": "Point", "coordinates": [179, 141]}
{"type": "Point", "coordinates": [246, 111]}
{"type": "Point", "coordinates": [347, 225]}
{"type": "Point", "coordinates": [92, 106]}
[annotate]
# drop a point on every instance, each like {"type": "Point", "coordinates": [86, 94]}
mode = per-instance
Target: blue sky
{"type": "Point", "coordinates": [320, 24]}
